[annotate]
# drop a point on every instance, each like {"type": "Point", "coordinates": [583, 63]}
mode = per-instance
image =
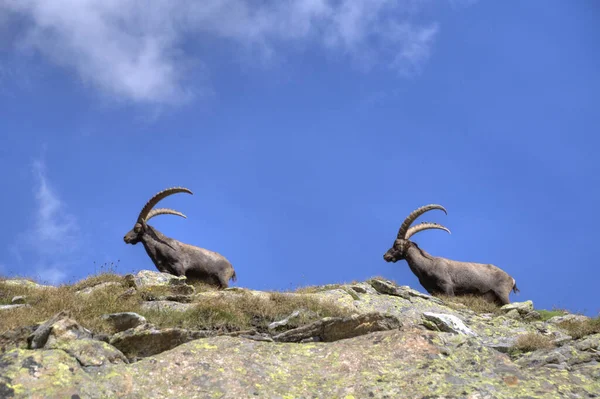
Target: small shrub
{"type": "Point", "coordinates": [473, 302]}
{"type": "Point", "coordinates": [46, 302]}
{"type": "Point", "coordinates": [578, 329]}
{"type": "Point", "coordinates": [532, 341]}
{"type": "Point", "coordinates": [201, 286]}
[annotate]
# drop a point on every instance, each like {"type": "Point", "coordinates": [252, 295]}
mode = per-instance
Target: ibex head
{"type": "Point", "coordinates": [140, 228]}
{"type": "Point", "coordinates": [401, 244]}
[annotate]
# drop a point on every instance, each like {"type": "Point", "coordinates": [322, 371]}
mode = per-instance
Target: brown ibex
{"type": "Point", "coordinates": [174, 257]}
{"type": "Point", "coordinates": [444, 276]}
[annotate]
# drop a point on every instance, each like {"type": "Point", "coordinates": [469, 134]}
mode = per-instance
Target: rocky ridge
{"type": "Point", "coordinates": [390, 342]}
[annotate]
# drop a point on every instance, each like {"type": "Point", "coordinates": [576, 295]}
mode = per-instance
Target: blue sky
{"type": "Point", "coordinates": [307, 130]}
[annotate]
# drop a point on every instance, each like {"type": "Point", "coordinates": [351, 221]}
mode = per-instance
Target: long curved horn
{"type": "Point", "coordinates": [163, 211]}
{"type": "Point", "coordinates": [159, 196]}
{"type": "Point", "coordinates": [424, 226]}
{"type": "Point", "coordinates": [415, 214]}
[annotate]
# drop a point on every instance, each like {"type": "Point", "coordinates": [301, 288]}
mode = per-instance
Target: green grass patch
{"type": "Point", "coordinates": [548, 314]}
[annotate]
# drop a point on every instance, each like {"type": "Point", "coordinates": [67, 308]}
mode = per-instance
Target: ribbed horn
{"type": "Point", "coordinates": [158, 197]}
{"type": "Point", "coordinates": [415, 214]}
{"type": "Point", "coordinates": [163, 211]}
{"type": "Point", "coordinates": [424, 226]}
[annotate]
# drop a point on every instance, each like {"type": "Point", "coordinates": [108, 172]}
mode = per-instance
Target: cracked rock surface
{"type": "Point", "coordinates": [396, 343]}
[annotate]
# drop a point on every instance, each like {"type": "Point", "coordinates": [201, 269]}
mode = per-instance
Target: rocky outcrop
{"type": "Point", "coordinates": [396, 343]}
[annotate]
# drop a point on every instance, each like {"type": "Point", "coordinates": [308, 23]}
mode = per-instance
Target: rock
{"type": "Point", "coordinates": [449, 323]}
{"type": "Point", "coordinates": [146, 278]}
{"type": "Point", "coordinates": [533, 315]}
{"type": "Point", "coordinates": [18, 300]}
{"type": "Point", "coordinates": [97, 287]}
{"type": "Point", "coordinates": [513, 314]}
{"type": "Point", "coordinates": [388, 288]}
{"type": "Point", "coordinates": [16, 338]}
{"type": "Point", "coordinates": [331, 329]}
{"type": "Point", "coordinates": [568, 317]}
{"type": "Point", "coordinates": [166, 306]}
{"type": "Point", "coordinates": [10, 307]}
{"type": "Point", "coordinates": [276, 324]}
{"type": "Point", "coordinates": [124, 321]}
{"type": "Point", "coordinates": [358, 289]}
{"type": "Point", "coordinates": [25, 283]}
{"type": "Point", "coordinates": [575, 353]}
{"type": "Point", "coordinates": [40, 336]}
{"type": "Point", "coordinates": [148, 340]}
{"type": "Point", "coordinates": [385, 364]}
{"type": "Point", "coordinates": [521, 307]}
{"type": "Point", "coordinates": [59, 327]}
{"type": "Point", "coordinates": [128, 293]}
{"type": "Point", "coordinates": [383, 350]}
{"type": "Point", "coordinates": [258, 337]}
{"type": "Point", "coordinates": [591, 343]}
{"type": "Point", "coordinates": [90, 352]}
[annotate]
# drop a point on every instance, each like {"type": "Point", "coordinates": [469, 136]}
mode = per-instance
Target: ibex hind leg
{"type": "Point", "coordinates": [222, 282]}
{"type": "Point", "coordinates": [501, 298]}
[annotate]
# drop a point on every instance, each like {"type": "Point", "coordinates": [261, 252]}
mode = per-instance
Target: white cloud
{"type": "Point", "coordinates": [53, 242]}
{"type": "Point", "coordinates": [133, 49]}
{"type": "Point", "coordinates": [51, 275]}
{"type": "Point", "coordinates": [55, 229]}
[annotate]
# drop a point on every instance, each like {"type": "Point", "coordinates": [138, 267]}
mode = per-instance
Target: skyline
{"type": "Point", "coordinates": [307, 131]}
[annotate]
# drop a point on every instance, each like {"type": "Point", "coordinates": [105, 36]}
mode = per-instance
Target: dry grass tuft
{"type": "Point", "coordinates": [532, 341]}
{"type": "Point", "coordinates": [245, 311]}
{"type": "Point", "coordinates": [473, 302]}
{"type": "Point", "coordinates": [579, 329]}
{"type": "Point", "coordinates": [201, 286]}
{"type": "Point", "coordinates": [228, 311]}
{"type": "Point", "coordinates": [46, 302]}
{"type": "Point", "coordinates": [312, 289]}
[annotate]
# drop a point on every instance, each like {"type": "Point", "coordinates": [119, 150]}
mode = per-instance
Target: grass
{"type": "Point", "coordinates": [246, 311]}
{"type": "Point", "coordinates": [95, 280]}
{"type": "Point", "coordinates": [312, 289]}
{"type": "Point", "coordinates": [475, 303]}
{"type": "Point", "coordinates": [579, 329]}
{"type": "Point", "coordinates": [532, 341]}
{"type": "Point", "coordinates": [548, 314]}
{"type": "Point", "coordinates": [46, 302]}
{"type": "Point", "coordinates": [231, 311]}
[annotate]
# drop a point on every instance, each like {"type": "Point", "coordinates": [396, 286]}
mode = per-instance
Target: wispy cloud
{"type": "Point", "coordinates": [52, 244]}
{"type": "Point", "coordinates": [56, 230]}
{"type": "Point", "coordinates": [133, 50]}
{"type": "Point", "coordinates": [52, 275]}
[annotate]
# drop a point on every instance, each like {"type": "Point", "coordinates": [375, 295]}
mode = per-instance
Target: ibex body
{"type": "Point", "coordinates": [174, 257]}
{"type": "Point", "coordinates": [444, 276]}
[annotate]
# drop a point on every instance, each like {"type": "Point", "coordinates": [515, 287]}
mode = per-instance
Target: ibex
{"type": "Point", "coordinates": [444, 276]}
{"type": "Point", "coordinates": [174, 257]}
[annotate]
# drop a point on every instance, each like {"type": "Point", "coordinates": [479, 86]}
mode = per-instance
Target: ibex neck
{"type": "Point", "coordinates": [158, 247]}
{"type": "Point", "coordinates": [420, 262]}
